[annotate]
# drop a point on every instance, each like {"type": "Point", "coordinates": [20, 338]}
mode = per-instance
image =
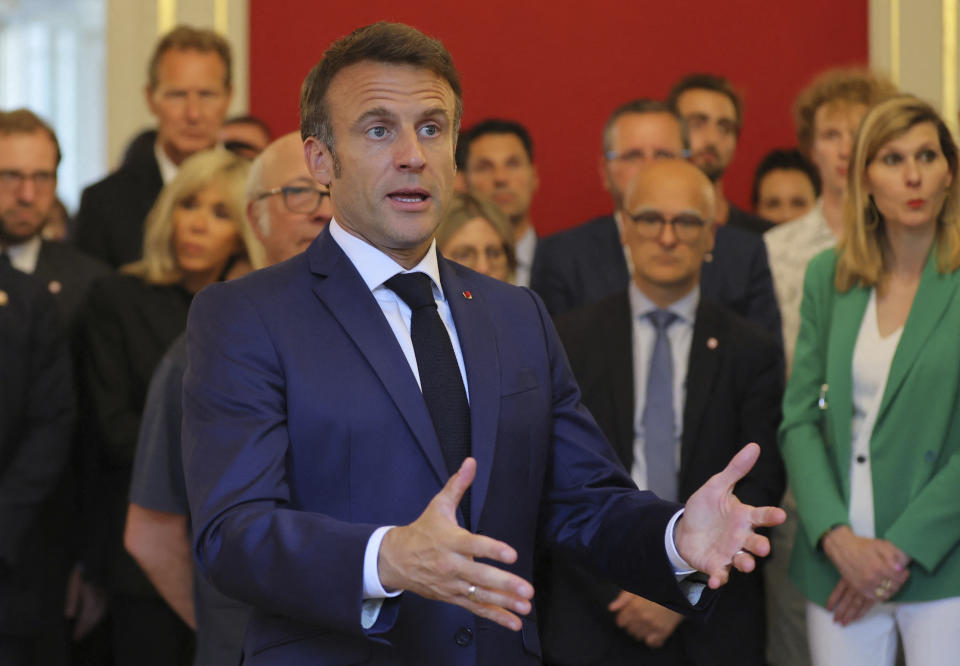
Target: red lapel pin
{"type": "Point", "coordinates": [467, 295]}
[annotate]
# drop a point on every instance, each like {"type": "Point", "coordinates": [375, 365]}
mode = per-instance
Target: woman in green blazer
{"type": "Point", "coordinates": [871, 427]}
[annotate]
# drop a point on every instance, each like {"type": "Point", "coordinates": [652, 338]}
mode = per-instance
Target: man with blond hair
{"type": "Point", "coordinates": [189, 85]}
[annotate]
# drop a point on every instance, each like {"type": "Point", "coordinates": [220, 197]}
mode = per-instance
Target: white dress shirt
{"type": "Point", "coordinates": [525, 248]}
{"type": "Point", "coordinates": [168, 170]}
{"type": "Point", "coordinates": [375, 268]}
{"type": "Point", "coordinates": [24, 256]}
{"type": "Point", "coordinates": [680, 334]}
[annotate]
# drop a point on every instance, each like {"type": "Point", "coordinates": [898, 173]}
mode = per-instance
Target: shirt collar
{"type": "Point", "coordinates": [685, 308]}
{"type": "Point", "coordinates": [168, 170]}
{"type": "Point", "coordinates": [375, 267]}
{"type": "Point", "coordinates": [24, 256]}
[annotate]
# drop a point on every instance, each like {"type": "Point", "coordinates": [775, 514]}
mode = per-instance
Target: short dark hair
{"type": "Point", "coordinates": [784, 159]}
{"type": "Point", "coordinates": [644, 105]}
{"type": "Point", "coordinates": [248, 119]}
{"type": "Point", "coordinates": [491, 126]}
{"type": "Point", "coordinates": [388, 43]}
{"type": "Point", "coordinates": [714, 82]}
{"type": "Point", "coordinates": [25, 121]}
{"type": "Point", "coordinates": [188, 38]}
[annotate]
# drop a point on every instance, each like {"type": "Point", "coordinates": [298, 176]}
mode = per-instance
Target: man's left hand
{"type": "Point", "coordinates": [646, 621]}
{"type": "Point", "coordinates": [716, 529]}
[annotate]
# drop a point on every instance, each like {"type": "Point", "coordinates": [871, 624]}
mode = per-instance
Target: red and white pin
{"type": "Point", "coordinates": [712, 343]}
{"type": "Point", "coordinates": [467, 295]}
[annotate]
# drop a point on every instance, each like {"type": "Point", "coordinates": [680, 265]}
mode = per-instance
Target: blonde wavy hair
{"type": "Point", "coordinates": [465, 207]}
{"type": "Point", "coordinates": [862, 246]}
{"type": "Point", "coordinates": [218, 168]}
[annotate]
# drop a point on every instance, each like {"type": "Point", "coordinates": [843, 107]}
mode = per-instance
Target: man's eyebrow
{"type": "Point", "coordinates": [436, 111]}
{"type": "Point", "coordinates": [376, 112]}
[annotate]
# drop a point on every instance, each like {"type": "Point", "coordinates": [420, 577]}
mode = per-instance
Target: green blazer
{"type": "Point", "coordinates": [915, 446]}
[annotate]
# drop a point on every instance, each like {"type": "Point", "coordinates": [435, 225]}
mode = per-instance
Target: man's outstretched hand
{"type": "Point", "coordinates": [716, 529]}
{"type": "Point", "coordinates": [434, 557]}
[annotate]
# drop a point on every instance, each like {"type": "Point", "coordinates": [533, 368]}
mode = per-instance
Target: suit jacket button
{"type": "Point", "coordinates": [464, 636]}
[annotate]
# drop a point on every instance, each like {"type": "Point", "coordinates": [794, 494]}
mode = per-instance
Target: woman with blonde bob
{"type": "Point", "coordinates": [475, 233]}
{"type": "Point", "coordinates": [871, 417]}
{"type": "Point", "coordinates": [196, 233]}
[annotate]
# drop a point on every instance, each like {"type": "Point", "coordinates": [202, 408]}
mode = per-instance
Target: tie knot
{"type": "Point", "coordinates": [415, 289]}
{"type": "Point", "coordinates": [662, 319]}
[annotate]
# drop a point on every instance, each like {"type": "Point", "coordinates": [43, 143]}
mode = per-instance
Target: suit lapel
{"type": "Point", "coordinates": [341, 289]}
{"type": "Point", "coordinates": [616, 346]}
{"type": "Point", "coordinates": [931, 301]}
{"type": "Point", "coordinates": [703, 365]}
{"type": "Point", "coordinates": [846, 318]}
{"type": "Point", "coordinates": [615, 272]}
{"type": "Point", "coordinates": [481, 359]}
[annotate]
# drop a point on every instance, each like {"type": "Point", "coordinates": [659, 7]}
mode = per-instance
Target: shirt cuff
{"type": "Point", "coordinates": [372, 588]}
{"type": "Point", "coordinates": [681, 568]}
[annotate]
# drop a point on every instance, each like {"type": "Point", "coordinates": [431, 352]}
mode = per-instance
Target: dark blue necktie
{"type": "Point", "coordinates": [658, 418]}
{"type": "Point", "coordinates": [440, 379]}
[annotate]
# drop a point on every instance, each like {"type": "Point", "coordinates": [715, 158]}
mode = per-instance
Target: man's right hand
{"type": "Point", "coordinates": [434, 557]}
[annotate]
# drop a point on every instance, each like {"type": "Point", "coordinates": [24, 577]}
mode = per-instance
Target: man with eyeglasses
{"type": "Point", "coordinates": [287, 209]}
{"type": "Point", "coordinates": [188, 90]}
{"type": "Point", "coordinates": [588, 262]}
{"type": "Point", "coordinates": [676, 382]}
{"type": "Point", "coordinates": [38, 560]}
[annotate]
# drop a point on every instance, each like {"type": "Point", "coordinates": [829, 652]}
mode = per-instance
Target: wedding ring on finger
{"type": "Point", "coordinates": [472, 593]}
{"type": "Point", "coordinates": [883, 589]}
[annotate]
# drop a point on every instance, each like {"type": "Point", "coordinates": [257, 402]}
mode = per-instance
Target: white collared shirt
{"type": "Point", "coordinates": [680, 334]}
{"type": "Point", "coordinates": [168, 170]}
{"type": "Point", "coordinates": [24, 256]}
{"type": "Point", "coordinates": [526, 247]}
{"type": "Point", "coordinates": [376, 268]}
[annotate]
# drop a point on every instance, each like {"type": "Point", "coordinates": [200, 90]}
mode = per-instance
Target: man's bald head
{"type": "Point", "coordinates": [678, 179]}
{"type": "Point", "coordinates": [668, 228]}
{"type": "Point", "coordinates": [283, 201]}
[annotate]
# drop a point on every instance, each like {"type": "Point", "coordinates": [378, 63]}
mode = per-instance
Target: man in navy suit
{"type": "Point", "coordinates": [587, 263]}
{"type": "Point", "coordinates": [326, 488]}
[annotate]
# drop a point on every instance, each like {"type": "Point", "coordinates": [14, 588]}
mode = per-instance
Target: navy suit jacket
{"type": "Point", "coordinates": [586, 264]}
{"type": "Point", "coordinates": [304, 430]}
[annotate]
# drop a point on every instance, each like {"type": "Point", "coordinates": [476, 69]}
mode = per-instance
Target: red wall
{"type": "Point", "coordinates": [560, 67]}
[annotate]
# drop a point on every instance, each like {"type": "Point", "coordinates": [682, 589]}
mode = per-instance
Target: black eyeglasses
{"type": "Point", "coordinates": [298, 198]}
{"type": "Point", "coordinates": [686, 226]}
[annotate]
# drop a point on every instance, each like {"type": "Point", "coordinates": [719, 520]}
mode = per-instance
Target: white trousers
{"type": "Point", "coordinates": [930, 632]}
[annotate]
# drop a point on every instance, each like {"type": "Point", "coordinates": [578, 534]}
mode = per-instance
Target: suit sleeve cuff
{"type": "Point", "coordinates": [372, 589]}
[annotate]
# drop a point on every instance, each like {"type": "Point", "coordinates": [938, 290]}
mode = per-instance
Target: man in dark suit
{"type": "Point", "coordinates": [188, 90]}
{"type": "Point", "coordinates": [587, 263]}
{"type": "Point", "coordinates": [36, 424]}
{"type": "Point", "coordinates": [365, 419]}
{"type": "Point", "coordinates": [29, 157]}
{"type": "Point", "coordinates": [721, 385]}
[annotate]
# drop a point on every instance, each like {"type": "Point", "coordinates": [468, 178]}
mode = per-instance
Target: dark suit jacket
{"type": "Point", "coordinates": [36, 424]}
{"type": "Point", "coordinates": [125, 329]}
{"type": "Point", "coordinates": [741, 219]}
{"type": "Point", "coordinates": [734, 388]}
{"type": "Point", "coordinates": [109, 222]}
{"type": "Point", "coordinates": [586, 263]}
{"type": "Point", "coordinates": [304, 430]}
{"type": "Point", "coordinates": [73, 271]}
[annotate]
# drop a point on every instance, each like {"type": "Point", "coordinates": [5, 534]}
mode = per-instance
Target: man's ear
{"type": "Point", "coordinates": [319, 160]}
{"type": "Point", "coordinates": [148, 96]}
{"type": "Point", "coordinates": [252, 218]}
{"type": "Point", "coordinates": [604, 174]}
